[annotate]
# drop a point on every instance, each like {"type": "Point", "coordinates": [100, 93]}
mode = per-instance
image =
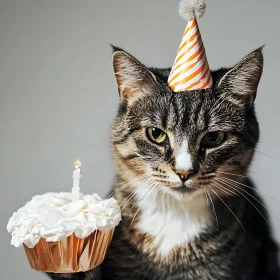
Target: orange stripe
{"type": "Point", "coordinates": [199, 52]}
{"type": "Point", "coordinates": [190, 27]}
{"type": "Point", "coordinates": [188, 41]}
{"type": "Point", "coordinates": [207, 82]}
{"type": "Point", "coordinates": [187, 79]}
{"type": "Point", "coordinates": [188, 50]}
{"type": "Point", "coordinates": [185, 70]}
{"type": "Point", "coordinates": [200, 55]}
{"type": "Point", "coordinates": [199, 70]}
{"type": "Point", "coordinates": [182, 72]}
{"type": "Point", "coordinates": [203, 77]}
{"type": "Point", "coordinates": [192, 85]}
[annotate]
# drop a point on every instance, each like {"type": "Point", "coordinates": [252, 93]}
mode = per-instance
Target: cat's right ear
{"type": "Point", "coordinates": [240, 83]}
{"type": "Point", "coordinates": [133, 78]}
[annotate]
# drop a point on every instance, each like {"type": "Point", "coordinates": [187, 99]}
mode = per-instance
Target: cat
{"type": "Point", "coordinates": [189, 210]}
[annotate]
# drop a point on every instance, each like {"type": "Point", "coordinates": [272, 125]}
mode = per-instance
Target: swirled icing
{"type": "Point", "coordinates": [54, 216]}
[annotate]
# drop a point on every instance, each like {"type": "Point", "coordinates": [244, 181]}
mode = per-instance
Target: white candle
{"type": "Point", "coordinates": [76, 181]}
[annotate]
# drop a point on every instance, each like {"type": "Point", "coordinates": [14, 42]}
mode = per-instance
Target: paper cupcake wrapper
{"type": "Point", "coordinates": [71, 254]}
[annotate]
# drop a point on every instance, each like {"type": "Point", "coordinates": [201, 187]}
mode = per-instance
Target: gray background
{"type": "Point", "coordinates": [58, 94]}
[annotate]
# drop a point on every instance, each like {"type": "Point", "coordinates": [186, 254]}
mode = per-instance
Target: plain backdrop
{"type": "Point", "coordinates": [58, 94]}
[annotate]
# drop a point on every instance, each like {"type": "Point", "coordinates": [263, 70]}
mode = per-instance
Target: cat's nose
{"type": "Point", "coordinates": [184, 174]}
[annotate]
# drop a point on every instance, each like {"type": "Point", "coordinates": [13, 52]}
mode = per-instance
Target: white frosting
{"type": "Point", "coordinates": [54, 216]}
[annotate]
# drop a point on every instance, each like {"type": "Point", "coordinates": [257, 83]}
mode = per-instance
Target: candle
{"type": "Point", "coordinates": [76, 181]}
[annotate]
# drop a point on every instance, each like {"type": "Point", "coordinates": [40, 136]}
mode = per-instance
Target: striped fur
{"type": "Point", "coordinates": [230, 238]}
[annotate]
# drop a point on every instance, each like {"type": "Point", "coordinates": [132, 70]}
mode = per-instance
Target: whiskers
{"type": "Point", "coordinates": [234, 174]}
{"type": "Point", "coordinates": [242, 192]}
{"type": "Point", "coordinates": [229, 209]}
{"type": "Point", "coordinates": [225, 190]}
{"type": "Point", "coordinates": [149, 192]}
{"type": "Point", "coordinates": [146, 186]}
{"type": "Point", "coordinates": [232, 187]}
{"type": "Point", "coordinates": [153, 201]}
{"type": "Point", "coordinates": [208, 195]}
{"type": "Point", "coordinates": [249, 187]}
{"type": "Point", "coordinates": [267, 155]}
{"type": "Point", "coordinates": [133, 193]}
{"type": "Point", "coordinates": [128, 182]}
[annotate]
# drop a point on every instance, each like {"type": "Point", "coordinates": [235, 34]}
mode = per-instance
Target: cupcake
{"type": "Point", "coordinates": [63, 234]}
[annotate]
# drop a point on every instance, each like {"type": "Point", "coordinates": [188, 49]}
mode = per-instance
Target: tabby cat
{"type": "Point", "coordinates": [189, 210]}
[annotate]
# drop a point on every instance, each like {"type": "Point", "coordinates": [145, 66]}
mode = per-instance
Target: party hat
{"type": "Point", "coordinates": [190, 70]}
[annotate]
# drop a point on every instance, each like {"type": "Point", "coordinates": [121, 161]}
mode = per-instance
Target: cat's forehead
{"type": "Point", "coordinates": [179, 106]}
{"type": "Point", "coordinates": [186, 113]}
{"type": "Point", "coordinates": [191, 99]}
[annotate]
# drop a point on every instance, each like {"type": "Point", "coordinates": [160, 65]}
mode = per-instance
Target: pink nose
{"type": "Point", "coordinates": [184, 174]}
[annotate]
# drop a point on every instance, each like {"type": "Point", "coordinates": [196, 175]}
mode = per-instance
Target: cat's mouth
{"type": "Point", "coordinates": [182, 188]}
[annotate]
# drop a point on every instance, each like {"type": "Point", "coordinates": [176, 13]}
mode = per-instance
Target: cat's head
{"type": "Point", "coordinates": [185, 142]}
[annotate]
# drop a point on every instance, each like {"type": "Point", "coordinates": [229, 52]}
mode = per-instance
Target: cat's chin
{"type": "Point", "coordinates": [184, 190]}
{"type": "Point", "coordinates": [181, 192]}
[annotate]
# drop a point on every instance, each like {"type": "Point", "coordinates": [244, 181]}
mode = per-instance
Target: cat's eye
{"type": "Point", "coordinates": [156, 135]}
{"type": "Point", "coordinates": [212, 139]}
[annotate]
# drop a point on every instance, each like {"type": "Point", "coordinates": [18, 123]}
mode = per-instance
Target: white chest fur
{"type": "Point", "coordinates": [174, 223]}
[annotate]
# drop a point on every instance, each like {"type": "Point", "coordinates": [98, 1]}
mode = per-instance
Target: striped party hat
{"type": "Point", "coordinates": [190, 70]}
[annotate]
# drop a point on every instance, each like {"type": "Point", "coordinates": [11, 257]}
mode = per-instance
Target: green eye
{"type": "Point", "coordinates": [156, 135]}
{"type": "Point", "coordinates": [213, 139]}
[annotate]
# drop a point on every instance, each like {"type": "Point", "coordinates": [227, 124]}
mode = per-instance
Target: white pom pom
{"type": "Point", "coordinates": [189, 9]}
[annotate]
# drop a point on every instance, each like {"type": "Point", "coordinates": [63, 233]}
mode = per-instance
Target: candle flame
{"type": "Point", "coordinates": [77, 164]}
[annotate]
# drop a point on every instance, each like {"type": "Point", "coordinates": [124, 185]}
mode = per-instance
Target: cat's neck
{"type": "Point", "coordinates": [169, 222]}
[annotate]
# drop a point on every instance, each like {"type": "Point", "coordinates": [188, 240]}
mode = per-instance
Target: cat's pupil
{"type": "Point", "coordinates": [156, 133]}
{"type": "Point", "coordinates": [212, 136]}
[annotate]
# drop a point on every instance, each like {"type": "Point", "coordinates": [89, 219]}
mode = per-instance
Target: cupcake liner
{"type": "Point", "coordinates": [71, 254]}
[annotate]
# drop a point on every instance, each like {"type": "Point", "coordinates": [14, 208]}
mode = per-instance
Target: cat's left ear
{"type": "Point", "coordinates": [240, 83]}
{"type": "Point", "coordinates": [133, 78]}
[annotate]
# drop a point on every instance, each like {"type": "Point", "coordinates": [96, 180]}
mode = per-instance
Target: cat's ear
{"type": "Point", "coordinates": [133, 78]}
{"type": "Point", "coordinates": [240, 83]}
